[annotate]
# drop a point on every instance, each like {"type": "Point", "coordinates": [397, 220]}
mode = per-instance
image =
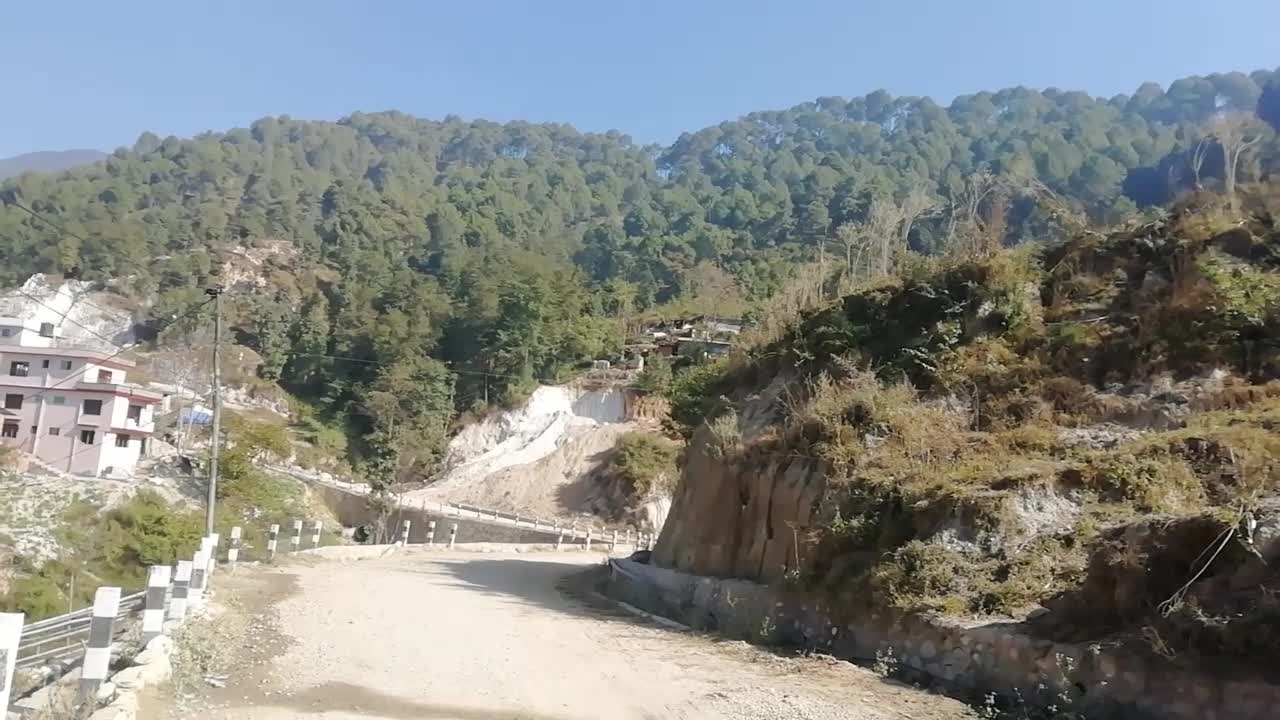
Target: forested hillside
{"type": "Point", "coordinates": [419, 248]}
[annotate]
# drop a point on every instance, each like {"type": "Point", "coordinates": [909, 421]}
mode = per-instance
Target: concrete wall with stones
{"type": "Point", "coordinates": [968, 660]}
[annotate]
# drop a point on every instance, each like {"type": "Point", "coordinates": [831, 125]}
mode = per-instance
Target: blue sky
{"type": "Point", "coordinates": [96, 74]}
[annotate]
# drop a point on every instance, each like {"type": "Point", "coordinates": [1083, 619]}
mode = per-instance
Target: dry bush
{"type": "Point", "coordinates": [1148, 483]}
{"type": "Point", "coordinates": [802, 295]}
{"type": "Point", "coordinates": [1032, 438]}
{"type": "Point", "coordinates": [997, 381]}
{"type": "Point", "coordinates": [857, 420]}
{"type": "Point", "coordinates": [1235, 394]}
{"type": "Point", "coordinates": [726, 435]}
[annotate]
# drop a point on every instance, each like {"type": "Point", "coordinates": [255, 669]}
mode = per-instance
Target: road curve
{"type": "Point", "coordinates": [471, 636]}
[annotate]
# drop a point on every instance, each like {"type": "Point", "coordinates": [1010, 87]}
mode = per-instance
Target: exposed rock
{"type": "Point", "coordinates": [157, 671]}
{"type": "Point", "coordinates": [106, 692]}
{"type": "Point", "coordinates": [739, 518]}
{"type": "Point", "coordinates": [124, 707]}
{"type": "Point", "coordinates": [158, 649]}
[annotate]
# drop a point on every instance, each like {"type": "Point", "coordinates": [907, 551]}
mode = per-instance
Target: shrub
{"type": "Point", "coordinates": [646, 462]}
{"type": "Point", "coordinates": [694, 391]}
{"type": "Point", "coordinates": [726, 435]}
{"type": "Point", "coordinates": [921, 575]}
{"type": "Point", "coordinates": [106, 548]}
{"type": "Point", "coordinates": [656, 376]}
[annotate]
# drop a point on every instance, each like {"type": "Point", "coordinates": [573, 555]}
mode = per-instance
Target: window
{"type": "Point", "coordinates": [122, 440]}
{"type": "Point", "coordinates": [58, 400]}
{"type": "Point", "coordinates": [13, 401]}
{"type": "Point", "coordinates": [92, 407]}
{"type": "Point", "coordinates": [55, 431]}
{"type": "Point", "coordinates": [10, 430]}
{"type": "Point", "coordinates": [104, 376]}
{"type": "Point", "coordinates": [19, 368]}
{"type": "Point", "coordinates": [6, 332]}
{"type": "Point", "coordinates": [66, 364]}
{"type": "Point", "coordinates": [135, 413]}
{"type": "Point", "coordinates": [44, 364]}
{"type": "Point", "coordinates": [46, 329]}
{"type": "Point", "coordinates": [87, 436]}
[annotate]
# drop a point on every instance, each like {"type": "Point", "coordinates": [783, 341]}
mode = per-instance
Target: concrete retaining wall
{"type": "Point", "coordinates": [968, 660]}
{"type": "Point", "coordinates": [352, 510]}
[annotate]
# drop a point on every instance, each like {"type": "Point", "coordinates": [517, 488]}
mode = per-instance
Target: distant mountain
{"type": "Point", "coordinates": [48, 161]}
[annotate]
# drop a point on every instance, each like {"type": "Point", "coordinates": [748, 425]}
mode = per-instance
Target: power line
{"type": "Point", "coordinates": [452, 369]}
{"type": "Point", "coordinates": [123, 350]}
{"type": "Point", "coordinates": [91, 331]}
{"type": "Point", "coordinates": [10, 198]}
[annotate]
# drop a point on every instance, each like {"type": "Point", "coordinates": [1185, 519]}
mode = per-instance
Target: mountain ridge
{"type": "Point", "coordinates": [48, 161]}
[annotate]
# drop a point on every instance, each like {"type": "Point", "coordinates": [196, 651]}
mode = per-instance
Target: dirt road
{"type": "Point", "coordinates": [470, 636]}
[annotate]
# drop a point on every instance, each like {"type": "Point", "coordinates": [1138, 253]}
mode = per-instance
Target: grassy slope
{"type": "Point", "coordinates": [1069, 426]}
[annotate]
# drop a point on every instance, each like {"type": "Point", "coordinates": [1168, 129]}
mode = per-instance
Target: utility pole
{"type": "Point", "coordinates": [216, 439]}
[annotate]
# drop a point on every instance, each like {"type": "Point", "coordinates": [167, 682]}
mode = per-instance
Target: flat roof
{"type": "Point", "coordinates": [101, 357]}
{"type": "Point", "coordinates": [121, 390]}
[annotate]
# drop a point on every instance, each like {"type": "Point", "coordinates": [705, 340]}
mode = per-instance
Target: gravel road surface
{"type": "Point", "coordinates": [469, 636]}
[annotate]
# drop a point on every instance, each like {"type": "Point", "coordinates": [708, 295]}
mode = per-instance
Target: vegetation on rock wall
{"type": "Point", "coordinates": [1031, 427]}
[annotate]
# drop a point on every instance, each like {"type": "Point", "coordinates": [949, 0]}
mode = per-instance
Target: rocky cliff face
{"type": "Point", "coordinates": [745, 516]}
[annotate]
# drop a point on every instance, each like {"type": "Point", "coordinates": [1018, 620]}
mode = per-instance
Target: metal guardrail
{"type": "Point", "coordinates": [466, 511]}
{"type": "Point", "coordinates": [524, 521]}
{"type": "Point", "coordinates": [60, 638]}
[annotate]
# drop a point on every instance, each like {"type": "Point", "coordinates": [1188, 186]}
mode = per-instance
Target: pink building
{"type": "Point", "coordinates": [70, 409]}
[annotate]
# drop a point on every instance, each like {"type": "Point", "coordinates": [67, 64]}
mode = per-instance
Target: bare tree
{"type": "Point", "coordinates": [1198, 157]}
{"type": "Point", "coordinates": [1236, 133]}
{"type": "Point", "coordinates": [883, 219]}
{"type": "Point", "coordinates": [917, 204]}
{"type": "Point", "coordinates": [965, 221]}
{"type": "Point", "coordinates": [188, 367]}
{"type": "Point", "coordinates": [853, 237]}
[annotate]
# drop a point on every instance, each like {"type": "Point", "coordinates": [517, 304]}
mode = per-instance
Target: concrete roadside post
{"type": "Point", "coordinates": [181, 591]}
{"type": "Point", "coordinates": [653, 539]}
{"type": "Point", "coordinates": [559, 538]}
{"type": "Point", "coordinates": [273, 537]}
{"type": "Point", "coordinates": [431, 533]}
{"type": "Point", "coordinates": [198, 569]}
{"type": "Point", "coordinates": [588, 547]}
{"type": "Point", "coordinates": [153, 611]}
{"type": "Point", "coordinates": [315, 533]}
{"type": "Point", "coordinates": [97, 654]}
{"type": "Point", "coordinates": [233, 547]}
{"type": "Point", "coordinates": [573, 532]}
{"type": "Point", "coordinates": [628, 536]}
{"type": "Point", "coordinates": [453, 535]}
{"type": "Point", "coordinates": [613, 541]}
{"type": "Point", "coordinates": [296, 540]}
{"type": "Point", "coordinates": [404, 532]}
{"type": "Point", "coordinates": [212, 558]}
{"type": "Point", "coordinates": [10, 636]}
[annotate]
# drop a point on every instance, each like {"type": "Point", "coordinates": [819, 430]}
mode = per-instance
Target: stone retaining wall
{"type": "Point", "coordinates": [967, 660]}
